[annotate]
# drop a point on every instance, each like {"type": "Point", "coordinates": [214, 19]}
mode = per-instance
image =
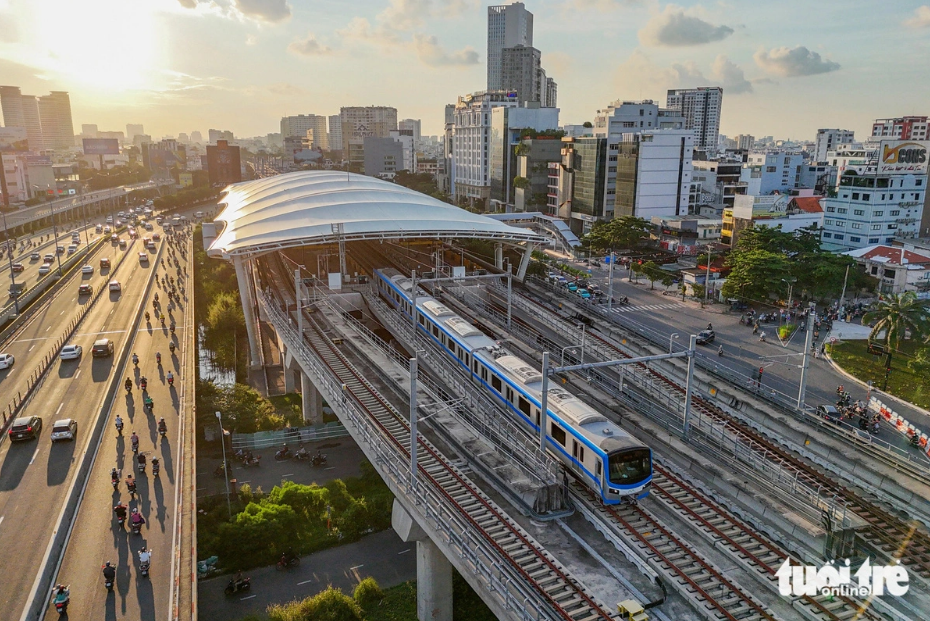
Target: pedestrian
{"type": "Point", "coordinates": [823, 348]}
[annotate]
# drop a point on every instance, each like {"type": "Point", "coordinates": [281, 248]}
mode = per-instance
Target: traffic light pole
{"type": "Point", "coordinates": [808, 343]}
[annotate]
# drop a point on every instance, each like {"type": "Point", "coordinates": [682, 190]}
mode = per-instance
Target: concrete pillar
{"type": "Point", "coordinates": [525, 261]}
{"type": "Point", "coordinates": [499, 256]}
{"type": "Point", "coordinates": [290, 374]}
{"type": "Point", "coordinates": [312, 401]}
{"type": "Point", "coordinates": [246, 295]}
{"type": "Point", "coordinates": [434, 571]}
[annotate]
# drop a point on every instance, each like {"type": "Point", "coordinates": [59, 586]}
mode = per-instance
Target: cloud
{"type": "Point", "coordinates": [600, 5]}
{"type": "Point", "coordinates": [188, 4]}
{"type": "Point", "coordinates": [251, 39]}
{"type": "Point", "coordinates": [730, 76]}
{"type": "Point", "coordinates": [360, 29]}
{"type": "Point", "coordinates": [920, 19]}
{"type": "Point", "coordinates": [265, 10]}
{"type": "Point", "coordinates": [285, 89]}
{"type": "Point", "coordinates": [674, 28]}
{"type": "Point", "coordinates": [793, 62]}
{"type": "Point", "coordinates": [308, 46]}
{"type": "Point", "coordinates": [405, 14]}
{"type": "Point", "coordinates": [431, 53]}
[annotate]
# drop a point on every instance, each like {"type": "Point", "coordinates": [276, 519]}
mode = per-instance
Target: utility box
{"type": "Point", "coordinates": [631, 610]}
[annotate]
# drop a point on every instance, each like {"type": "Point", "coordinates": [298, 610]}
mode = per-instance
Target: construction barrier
{"type": "Point", "coordinates": [899, 423]}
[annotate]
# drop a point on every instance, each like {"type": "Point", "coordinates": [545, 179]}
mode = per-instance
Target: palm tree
{"type": "Point", "coordinates": [896, 314]}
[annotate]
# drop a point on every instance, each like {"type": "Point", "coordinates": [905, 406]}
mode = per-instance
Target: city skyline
{"type": "Point", "coordinates": [243, 64]}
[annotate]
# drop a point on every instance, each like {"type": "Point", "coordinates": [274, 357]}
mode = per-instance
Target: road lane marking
{"type": "Point", "coordinates": [289, 474]}
{"type": "Point", "coordinates": [62, 313]}
{"type": "Point", "coordinates": [96, 333]}
{"type": "Point", "coordinates": [242, 599]}
{"type": "Point", "coordinates": [31, 348]}
{"type": "Point", "coordinates": [60, 405]}
{"type": "Point", "coordinates": [34, 455]}
{"type": "Point", "coordinates": [403, 551]}
{"type": "Point", "coordinates": [78, 374]}
{"type": "Point", "coordinates": [298, 584]}
{"type": "Point", "coordinates": [330, 468]}
{"type": "Point", "coordinates": [356, 567]}
{"type": "Point", "coordinates": [41, 338]}
{"type": "Point", "coordinates": [48, 328]}
{"type": "Point", "coordinates": [1, 519]}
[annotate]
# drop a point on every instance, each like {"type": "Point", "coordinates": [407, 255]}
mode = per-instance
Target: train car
{"type": "Point", "coordinates": [593, 449]}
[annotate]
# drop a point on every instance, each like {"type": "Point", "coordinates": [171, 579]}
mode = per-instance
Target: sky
{"type": "Point", "coordinates": [788, 67]}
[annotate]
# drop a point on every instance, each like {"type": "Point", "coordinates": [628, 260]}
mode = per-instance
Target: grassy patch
{"type": "Point", "coordinates": [903, 383]}
{"type": "Point", "coordinates": [399, 604]}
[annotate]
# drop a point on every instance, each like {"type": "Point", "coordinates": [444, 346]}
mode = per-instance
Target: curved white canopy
{"type": "Point", "coordinates": [316, 207]}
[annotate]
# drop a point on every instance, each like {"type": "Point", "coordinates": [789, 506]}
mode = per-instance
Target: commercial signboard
{"type": "Point", "coordinates": [903, 157]}
{"type": "Point", "coordinates": [101, 146]}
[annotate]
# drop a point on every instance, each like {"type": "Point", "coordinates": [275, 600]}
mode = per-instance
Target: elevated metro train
{"type": "Point", "coordinates": [593, 449]}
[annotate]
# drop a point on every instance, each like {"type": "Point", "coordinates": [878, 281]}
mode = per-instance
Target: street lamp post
{"type": "Point", "coordinates": [610, 283]}
{"type": "Point", "coordinates": [219, 417]}
{"type": "Point", "coordinates": [51, 205]}
{"type": "Point", "coordinates": [672, 336]}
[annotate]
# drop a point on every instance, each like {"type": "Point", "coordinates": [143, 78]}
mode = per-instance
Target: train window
{"type": "Point", "coordinates": [581, 453]}
{"type": "Point", "coordinates": [575, 449]}
{"type": "Point", "coordinates": [474, 366]}
{"type": "Point", "coordinates": [509, 394]}
{"type": "Point", "coordinates": [558, 434]}
{"type": "Point", "coordinates": [536, 412]}
{"type": "Point", "coordinates": [467, 359]}
{"type": "Point", "coordinates": [484, 373]}
{"type": "Point", "coordinates": [496, 383]}
{"type": "Point", "coordinates": [525, 406]}
{"type": "Point", "coordinates": [435, 331]}
{"type": "Point", "coordinates": [598, 468]}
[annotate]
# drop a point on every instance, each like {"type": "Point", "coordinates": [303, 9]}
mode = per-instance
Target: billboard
{"type": "Point", "coordinates": [903, 157]}
{"type": "Point", "coordinates": [101, 146]}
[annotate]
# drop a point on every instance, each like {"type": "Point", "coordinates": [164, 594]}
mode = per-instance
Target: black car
{"type": "Point", "coordinates": [85, 290]}
{"type": "Point", "coordinates": [102, 348]}
{"type": "Point", "coordinates": [25, 428]}
{"type": "Point", "coordinates": [706, 337]}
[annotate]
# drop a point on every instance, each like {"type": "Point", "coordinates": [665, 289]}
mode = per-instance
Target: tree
{"type": "Point", "coordinates": [755, 274]}
{"type": "Point", "coordinates": [223, 322]}
{"type": "Point", "coordinates": [652, 272]}
{"type": "Point", "coordinates": [894, 315]}
{"type": "Point", "coordinates": [521, 182]}
{"type": "Point", "coordinates": [623, 233]}
{"type": "Point", "coordinates": [247, 411]}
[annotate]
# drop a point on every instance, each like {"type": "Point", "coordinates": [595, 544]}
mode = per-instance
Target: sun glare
{"type": "Point", "coordinates": [108, 44]}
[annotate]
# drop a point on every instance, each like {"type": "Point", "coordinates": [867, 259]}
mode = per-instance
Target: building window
{"type": "Point", "coordinates": [892, 226]}
{"type": "Point", "coordinates": [831, 209]}
{"type": "Point", "coordinates": [878, 214]}
{"type": "Point", "coordinates": [842, 210]}
{"type": "Point", "coordinates": [855, 196]}
{"type": "Point", "coordinates": [858, 212]}
{"type": "Point", "coordinates": [895, 212]}
{"type": "Point", "coordinates": [866, 197]}
{"type": "Point", "coordinates": [873, 240]}
{"type": "Point", "coordinates": [856, 225]}
{"type": "Point", "coordinates": [828, 234]}
{"type": "Point", "coordinates": [828, 222]}
{"type": "Point", "coordinates": [876, 227]}
{"type": "Point", "coordinates": [854, 239]}
{"type": "Point", "coordinates": [918, 182]}
{"type": "Point", "coordinates": [770, 169]}
{"type": "Point", "coordinates": [838, 236]}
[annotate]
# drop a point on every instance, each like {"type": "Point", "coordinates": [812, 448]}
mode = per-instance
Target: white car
{"type": "Point", "coordinates": [6, 361]}
{"type": "Point", "coordinates": [143, 257]}
{"type": "Point", "coordinates": [87, 269]}
{"type": "Point", "coordinates": [71, 352]}
{"type": "Point", "coordinates": [106, 230]}
{"type": "Point", "coordinates": [44, 269]}
{"type": "Point", "coordinates": [64, 429]}
{"type": "Point", "coordinates": [115, 286]}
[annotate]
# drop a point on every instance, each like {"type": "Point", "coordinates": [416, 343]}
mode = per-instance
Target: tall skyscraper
{"type": "Point", "coordinates": [360, 122]}
{"type": "Point", "coordinates": [298, 125]}
{"type": "Point", "coordinates": [521, 72]}
{"type": "Point", "coordinates": [508, 26]}
{"type": "Point", "coordinates": [22, 111]}
{"type": "Point", "coordinates": [413, 125]}
{"type": "Point", "coordinates": [828, 140]}
{"type": "Point", "coordinates": [701, 109]}
{"type": "Point", "coordinates": [133, 130]}
{"type": "Point", "coordinates": [196, 136]}
{"type": "Point", "coordinates": [89, 130]}
{"type": "Point", "coordinates": [55, 119]}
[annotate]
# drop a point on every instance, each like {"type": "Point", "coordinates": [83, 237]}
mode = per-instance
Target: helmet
{"type": "Point", "coordinates": [135, 509]}
{"type": "Point", "coordinates": [108, 564]}
{"type": "Point", "coordinates": [162, 419]}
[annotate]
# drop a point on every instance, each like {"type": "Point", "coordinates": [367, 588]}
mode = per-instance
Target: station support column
{"type": "Point", "coordinates": [434, 571]}
{"type": "Point", "coordinates": [247, 295]}
{"type": "Point", "coordinates": [525, 261]}
{"type": "Point", "coordinates": [499, 256]}
{"type": "Point", "coordinates": [312, 400]}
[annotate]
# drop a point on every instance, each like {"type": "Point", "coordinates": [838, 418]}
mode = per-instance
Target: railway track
{"type": "Point", "coordinates": [568, 599]}
{"type": "Point", "coordinates": [885, 532]}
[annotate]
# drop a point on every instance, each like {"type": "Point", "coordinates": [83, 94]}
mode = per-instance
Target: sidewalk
{"type": "Point", "coordinates": [382, 556]}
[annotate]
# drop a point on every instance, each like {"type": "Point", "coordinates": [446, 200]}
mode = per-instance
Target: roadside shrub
{"type": "Point", "coordinates": [368, 592]}
{"type": "Point", "coordinates": [330, 605]}
{"type": "Point", "coordinates": [353, 522]}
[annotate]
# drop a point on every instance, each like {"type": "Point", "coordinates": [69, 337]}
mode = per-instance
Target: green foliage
{"type": "Point", "coordinates": [920, 363]}
{"type": "Point", "coordinates": [290, 406]}
{"type": "Point", "coordinates": [786, 330]}
{"type": "Point", "coordinates": [424, 183]}
{"type": "Point", "coordinates": [698, 290]}
{"type": "Point", "coordinates": [537, 269]}
{"type": "Point", "coordinates": [903, 382]}
{"type": "Point", "coordinates": [755, 273]}
{"type": "Point", "coordinates": [623, 233]}
{"type": "Point", "coordinates": [305, 518]}
{"type": "Point", "coordinates": [521, 182]}
{"type": "Point", "coordinates": [546, 133]}
{"type": "Point", "coordinates": [223, 321]}
{"type": "Point", "coordinates": [244, 409]}
{"type": "Point", "coordinates": [652, 272]}
{"type": "Point", "coordinates": [329, 605]}
{"type": "Point", "coordinates": [896, 314]}
{"type": "Point", "coordinates": [399, 604]}
{"type": "Point", "coordinates": [587, 124]}
{"type": "Point", "coordinates": [368, 593]}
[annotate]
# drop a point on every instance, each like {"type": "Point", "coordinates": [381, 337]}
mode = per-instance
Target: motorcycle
{"type": "Point", "coordinates": [108, 581]}
{"type": "Point", "coordinates": [318, 460]}
{"type": "Point", "coordinates": [141, 461]}
{"type": "Point", "coordinates": [234, 586]}
{"type": "Point", "coordinates": [286, 562]}
{"type": "Point", "coordinates": [115, 483]}
{"type": "Point", "coordinates": [302, 455]}
{"type": "Point", "coordinates": [253, 461]}
{"type": "Point", "coordinates": [171, 380]}
{"type": "Point", "coordinates": [136, 528]}
{"type": "Point", "coordinates": [282, 455]}
{"type": "Point", "coordinates": [135, 360]}
{"type": "Point", "coordinates": [62, 599]}
{"type": "Point", "coordinates": [149, 404]}
{"type": "Point", "coordinates": [144, 565]}
{"type": "Point", "coordinates": [119, 427]}
{"type": "Point", "coordinates": [156, 467]}
{"type": "Point", "coordinates": [143, 384]}
{"type": "Point", "coordinates": [220, 471]}
{"type": "Point", "coordinates": [171, 347]}
{"type": "Point", "coordinates": [132, 489]}
{"type": "Point", "coordinates": [915, 439]}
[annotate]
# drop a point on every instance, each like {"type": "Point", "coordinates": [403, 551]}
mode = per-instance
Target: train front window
{"type": "Point", "coordinates": [629, 467]}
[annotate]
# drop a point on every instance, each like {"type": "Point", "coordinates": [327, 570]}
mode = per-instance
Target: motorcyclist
{"type": "Point", "coordinates": [284, 450]}
{"type": "Point", "coordinates": [109, 573]}
{"type": "Point", "coordinates": [134, 440]}
{"type": "Point", "coordinates": [143, 382]}
{"type": "Point", "coordinates": [135, 359]}
{"type": "Point", "coordinates": [720, 350]}
{"type": "Point", "coordinates": [144, 555]}
{"type": "Point", "coordinates": [141, 459]}
{"type": "Point", "coordinates": [156, 466]}
{"type": "Point", "coordinates": [710, 327]}
{"type": "Point", "coordinates": [119, 424]}
{"type": "Point", "coordinates": [120, 511]}
{"type": "Point", "coordinates": [130, 483]}
{"type": "Point", "coordinates": [171, 347]}
{"type": "Point", "coordinates": [128, 384]}
{"type": "Point", "coordinates": [137, 519]}
{"type": "Point", "coordinates": [147, 316]}
{"type": "Point", "coordinates": [156, 296]}
{"type": "Point", "coordinates": [114, 474]}
{"type": "Point", "coordinates": [169, 377]}
{"type": "Point", "coordinates": [158, 357]}
{"type": "Point", "coordinates": [162, 426]}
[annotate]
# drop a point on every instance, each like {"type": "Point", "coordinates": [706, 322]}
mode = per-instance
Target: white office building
{"type": "Point", "coordinates": [649, 173]}
{"type": "Point", "coordinates": [622, 117]}
{"type": "Point", "coordinates": [771, 171]}
{"type": "Point", "coordinates": [701, 108]}
{"type": "Point", "coordinates": [471, 131]}
{"type": "Point", "coordinates": [406, 138]}
{"type": "Point", "coordinates": [508, 26]}
{"type": "Point", "coordinates": [298, 126]}
{"type": "Point", "coordinates": [828, 140]}
{"type": "Point", "coordinates": [335, 132]}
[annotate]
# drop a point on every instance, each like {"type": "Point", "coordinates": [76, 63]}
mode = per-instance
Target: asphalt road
{"type": "Point", "coordinates": [35, 475]}
{"type": "Point", "coordinates": [32, 344]}
{"type": "Point", "coordinates": [667, 315]}
{"type": "Point", "coordinates": [96, 536]}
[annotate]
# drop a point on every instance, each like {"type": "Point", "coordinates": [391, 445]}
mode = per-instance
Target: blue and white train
{"type": "Point", "coordinates": [594, 450]}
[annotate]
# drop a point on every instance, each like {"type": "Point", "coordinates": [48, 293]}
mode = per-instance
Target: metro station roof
{"type": "Point", "coordinates": [317, 207]}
